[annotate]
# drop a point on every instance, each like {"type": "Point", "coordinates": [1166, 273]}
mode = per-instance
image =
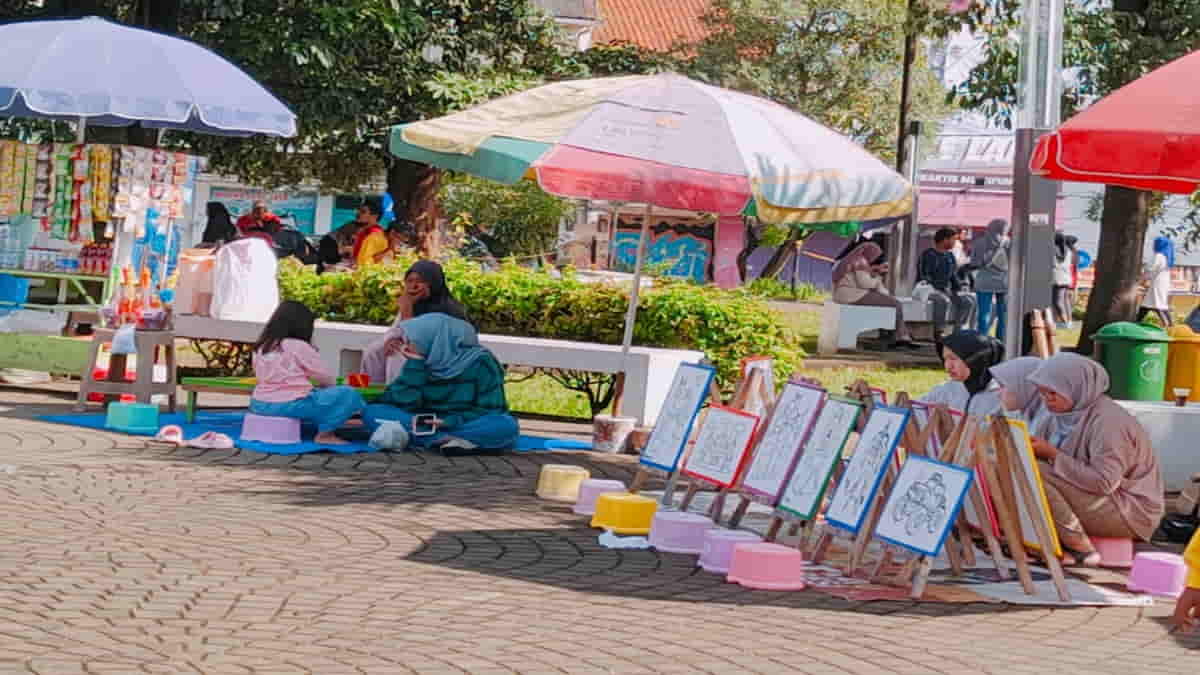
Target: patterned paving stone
{"type": "Point", "coordinates": [124, 556]}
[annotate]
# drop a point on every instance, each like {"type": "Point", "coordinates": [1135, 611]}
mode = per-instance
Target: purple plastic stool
{"type": "Point", "coordinates": [279, 430]}
{"type": "Point", "coordinates": [767, 567]}
{"type": "Point", "coordinates": [590, 490]}
{"type": "Point", "coordinates": [718, 548]}
{"type": "Point", "coordinates": [678, 532]}
{"type": "Point", "coordinates": [1158, 574]}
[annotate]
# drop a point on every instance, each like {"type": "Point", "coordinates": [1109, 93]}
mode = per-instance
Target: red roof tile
{"type": "Point", "coordinates": [653, 24]}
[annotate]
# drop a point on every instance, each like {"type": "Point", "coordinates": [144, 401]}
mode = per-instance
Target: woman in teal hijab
{"type": "Point", "coordinates": [454, 384]}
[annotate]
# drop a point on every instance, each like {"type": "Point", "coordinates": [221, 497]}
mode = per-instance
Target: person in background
{"type": "Point", "coordinates": [450, 378]}
{"type": "Point", "coordinates": [259, 218]}
{"type": "Point", "coordinates": [286, 365]}
{"type": "Point", "coordinates": [220, 227]}
{"type": "Point", "coordinates": [968, 357]}
{"type": "Point", "coordinates": [1064, 263]}
{"type": "Point", "coordinates": [475, 246]}
{"type": "Point", "coordinates": [938, 268]}
{"type": "Point", "coordinates": [402, 238]}
{"type": "Point", "coordinates": [370, 242]}
{"type": "Point", "coordinates": [1187, 607]}
{"type": "Point", "coordinates": [1101, 474]}
{"type": "Point", "coordinates": [1018, 396]}
{"type": "Point", "coordinates": [858, 281]}
{"type": "Point", "coordinates": [989, 257]}
{"type": "Point", "coordinates": [425, 292]}
{"type": "Point", "coordinates": [1158, 279]}
{"type": "Point", "coordinates": [290, 242]}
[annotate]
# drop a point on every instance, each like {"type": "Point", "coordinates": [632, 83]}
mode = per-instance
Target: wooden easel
{"type": "Point", "coordinates": [859, 541]}
{"type": "Point", "coordinates": [753, 386]}
{"type": "Point", "coordinates": [1016, 483]}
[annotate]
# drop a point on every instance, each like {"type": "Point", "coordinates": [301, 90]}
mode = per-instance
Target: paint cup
{"type": "Point", "coordinates": [359, 380]}
{"type": "Point", "coordinates": [611, 434]}
{"type": "Point", "coordinates": [1181, 396]}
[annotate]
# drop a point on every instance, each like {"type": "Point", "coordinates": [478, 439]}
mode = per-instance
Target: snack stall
{"type": "Point", "coordinates": [78, 222]}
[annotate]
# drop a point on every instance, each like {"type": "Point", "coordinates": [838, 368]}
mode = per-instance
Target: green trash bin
{"type": "Point", "coordinates": [1135, 356]}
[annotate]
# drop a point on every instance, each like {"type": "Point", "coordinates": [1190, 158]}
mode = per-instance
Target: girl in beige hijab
{"type": "Point", "coordinates": [1101, 474]}
{"type": "Point", "coordinates": [1018, 396]}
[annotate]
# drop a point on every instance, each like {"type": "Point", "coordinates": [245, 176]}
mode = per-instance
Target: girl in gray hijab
{"type": "Point", "coordinates": [1101, 474]}
{"type": "Point", "coordinates": [1018, 396]}
{"type": "Point", "coordinates": [989, 257]}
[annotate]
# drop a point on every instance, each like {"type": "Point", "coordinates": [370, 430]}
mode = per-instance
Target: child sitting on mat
{"type": "Point", "coordinates": [286, 364]}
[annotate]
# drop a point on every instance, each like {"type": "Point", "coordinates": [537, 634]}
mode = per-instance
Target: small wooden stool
{"type": "Point", "coordinates": [148, 344]}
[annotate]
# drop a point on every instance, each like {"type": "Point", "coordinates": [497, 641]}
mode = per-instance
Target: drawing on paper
{"type": "Point", "coordinates": [860, 481]}
{"type": "Point", "coordinates": [675, 419]}
{"type": "Point", "coordinates": [805, 488]}
{"type": "Point", "coordinates": [721, 446]}
{"type": "Point", "coordinates": [795, 412]}
{"type": "Point", "coordinates": [924, 504]}
{"type": "Point", "coordinates": [1020, 437]}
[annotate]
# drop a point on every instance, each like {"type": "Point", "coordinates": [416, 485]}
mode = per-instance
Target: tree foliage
{"type": "Point", "coordinates": [1103, 50]}
{"type": "Point", "coordinates": [522, 219]}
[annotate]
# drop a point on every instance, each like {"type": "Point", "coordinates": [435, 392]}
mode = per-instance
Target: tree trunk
{"type": "Point", "coordinates": [1118, 265]}
{"type": "Point", "coordinates": [743, 257]}
{"type": "Point", "coordinates": [414, 190]}
{"type": "Point", "coordinates": [783, 254]}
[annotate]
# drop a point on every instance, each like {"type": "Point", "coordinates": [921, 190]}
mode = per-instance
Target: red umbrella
{"type": "Point", "coordinates": [1145, 135]}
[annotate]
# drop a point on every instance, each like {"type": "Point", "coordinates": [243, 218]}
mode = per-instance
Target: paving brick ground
{"type": "Point", "coordinates": [123, 557]}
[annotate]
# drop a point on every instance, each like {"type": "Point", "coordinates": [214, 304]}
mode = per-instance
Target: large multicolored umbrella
{"type": "Point", "coordinates": [1145, 135]}
{"type": "Point", "coordinates": [663, 141]}
{"type": "Point", "coordinates": [667, 141]}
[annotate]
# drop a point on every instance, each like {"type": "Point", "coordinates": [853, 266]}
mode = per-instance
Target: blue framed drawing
{"type": "Point", "coordinates": [688, 391]}
{"type": "Point", "coordinates": [860, 481]}
{"type": "Point", "coordinates": [924, 504]}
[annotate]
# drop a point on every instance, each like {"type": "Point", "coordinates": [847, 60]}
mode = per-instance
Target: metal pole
{"type": "Point", "coordinates": [631, 313]}
{"type": "Point", "coordinates": [81, 130]}
{"type": "Point", "coordinates": [906, 277]}
{"type": "Point", "coordinates": [896, 258]}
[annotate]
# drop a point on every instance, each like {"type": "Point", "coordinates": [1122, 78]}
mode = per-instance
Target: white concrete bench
{"type": "Point", "coordinates": [649, 371]}
{"type": "Point", "coordinates": [842, 324]}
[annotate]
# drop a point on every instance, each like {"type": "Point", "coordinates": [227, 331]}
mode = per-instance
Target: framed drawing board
{"type": "Point", "coordinates": [859, 484]}
{"type": "Point", "coordinates": [722, 446]}
{"type": "Point", "coordinates": [805, 488]}
{"type": "Point", "coordinates": [779, 446]}
{"type": "Point", "coordinates": [687, 394]}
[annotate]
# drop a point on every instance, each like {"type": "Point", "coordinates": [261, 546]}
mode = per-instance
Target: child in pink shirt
{"type": "Point", "coordinates": [286, 365]}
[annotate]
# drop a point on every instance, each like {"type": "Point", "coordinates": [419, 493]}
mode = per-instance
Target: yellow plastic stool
{"type": "Point", "coordinates": [560, 482]}
{"type": "Point", "coordinates": [624, 513]}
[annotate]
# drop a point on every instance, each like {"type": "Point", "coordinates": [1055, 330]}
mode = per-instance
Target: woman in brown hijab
{"type": "Point", "coordinates": [857, 280]}
{"type": "Point", "coordinates": [1101, 474]}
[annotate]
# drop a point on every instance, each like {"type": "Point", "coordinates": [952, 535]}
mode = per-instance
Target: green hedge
{"type": "Point", "coordinates": [726, 325]}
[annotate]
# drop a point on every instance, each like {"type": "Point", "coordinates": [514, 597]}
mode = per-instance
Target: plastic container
{"type": "Point", "coordinates": [560, 482]}
{"type": "Point", "coordinates": [591, 489]}
{"type": "Point", "coordinates": [14, 292]}
{"type": "Point", "coordinates": [767, 567]}
{"type": "Point", "coordinates": [1183, 363]}
{"type": "Point", "coordinates": [678, 532]}
{"type": "Point", "coordinates": [132, 418]}
{"type": "Point", "coordinates": [1158, 574]}
{"type": "Point", "coordinates": [1135, 356]}
{"type": "Point", "coordinates": [718, 548]}
{"type": "Point", "coordinates": [625, 513]}
{"type": "Point", "coordinates": [277, 430]}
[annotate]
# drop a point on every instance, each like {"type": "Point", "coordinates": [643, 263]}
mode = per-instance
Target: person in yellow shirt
{"type": "Point", "coordinates": [371, 242]}
{"type": "Point", "coordinates": [1187, 609]}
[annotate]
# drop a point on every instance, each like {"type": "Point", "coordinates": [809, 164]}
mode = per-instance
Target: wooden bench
{"type": "Point", "coordinates": [237, 386]}
{"type": "Point", "coordinates": [649, 371]}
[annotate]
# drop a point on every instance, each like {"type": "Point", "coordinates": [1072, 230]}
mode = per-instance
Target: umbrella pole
{"type": "Point", "coordinates": [631, 312]}
{"type": "Point", "coordinates": [81, 130]}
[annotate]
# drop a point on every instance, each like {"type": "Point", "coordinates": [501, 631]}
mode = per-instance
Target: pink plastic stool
{"type": "Point", "coordinates": [1158, 574]}
{"type": "Point", "coordinates": [678, 532]}
{"type": "Point", "coordinates": [718, 548]}
{"type": "Point", "coordinates": [279, 430]}
{"type": "Point", "coordinates": [767, 567]}
{"type": "Point", "coordinates": [590, 490]}
{"type": "Point", "coordinates": [1114, 552]}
